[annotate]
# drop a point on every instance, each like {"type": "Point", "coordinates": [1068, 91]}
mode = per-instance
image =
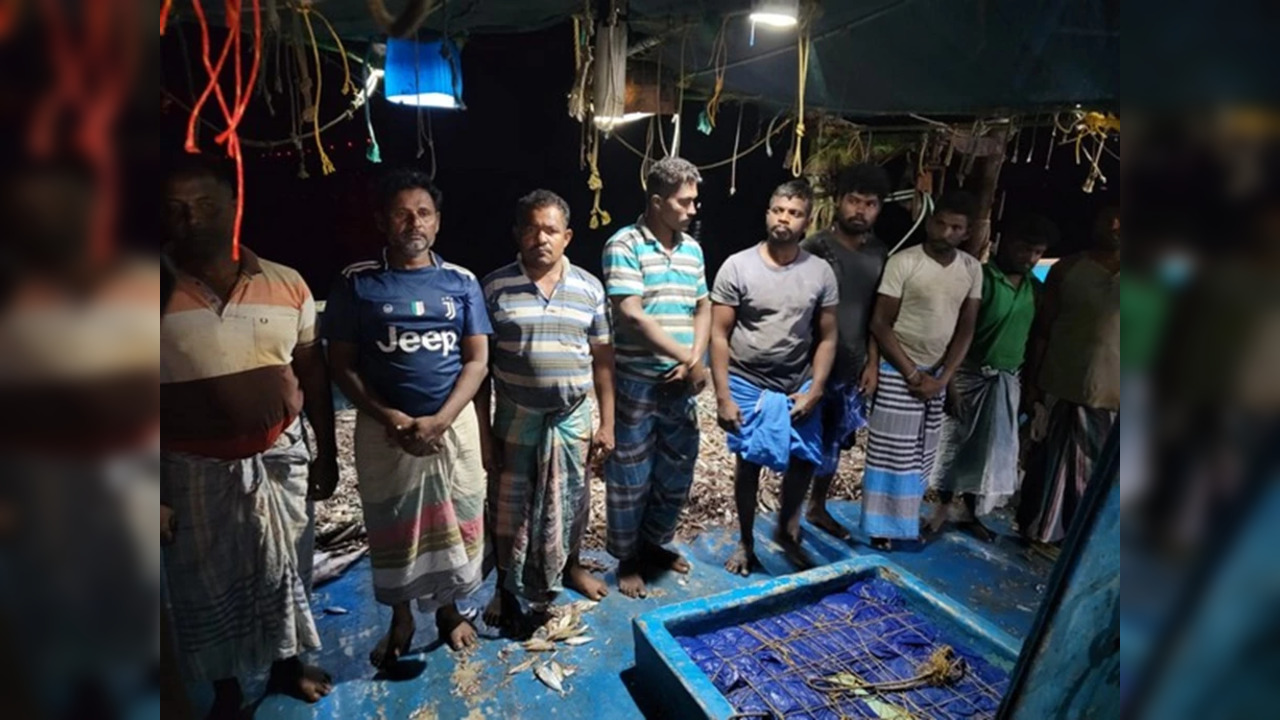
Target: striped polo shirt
{"type": "Point", "coordinates": [227, 389]}
{"type": "Point", "coordinates": [541, 349]}
{"type": "Point", "coordinates": [669, 283]}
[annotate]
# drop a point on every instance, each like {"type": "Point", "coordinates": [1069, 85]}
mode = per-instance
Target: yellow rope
{"type": "Point", "coordinates": [326, 165]}
{"type": "Point", "coordinates": [802, 51]}
{"type": "Point", "coordinates": [719, 58]}
{"type": "Point", "coordinates": [348, 87]}
{"type": "Point", "coordinates": [599, 216]}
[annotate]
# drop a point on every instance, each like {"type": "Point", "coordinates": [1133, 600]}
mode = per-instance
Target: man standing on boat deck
{"type": "Point", "coordinates": [655, 277]}
{"type": "Point", "coordinates": [769, 372]}
{"type": "Point", "coordinates": [239, 362]}
{"type": "Point", "coordinates": [551, 347]}
{"type": "Point", "coordinates": [857, 256]}
{"type": "Point", "coordinates": [978, 454]}
{"type": "Point", "coordinates": [923, 322]}
{"type": "Point", "coordinates": [409, 346]}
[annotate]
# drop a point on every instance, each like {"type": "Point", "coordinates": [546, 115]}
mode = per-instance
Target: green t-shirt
{"type": "Point", "coordinates": [1004, 320]}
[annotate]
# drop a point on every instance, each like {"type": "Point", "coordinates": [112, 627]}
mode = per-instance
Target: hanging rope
{"type": "Point", "coordinates": [733, 172]}
{"type": "Point", "coordinates": [719, 59]}
{"type": "Point", "coordinates": [599, 216]}
{"type": "Point", "coordinates": [326, 164]}
{"type": "Point", "coordinates": [234, 113]}
{"type": "Point", "coordinates": [802, 52]}
{"type": "Point", "coordinates": [165, 9]}
{"type": "Point", "coordinates": [720, 163]}
{"type": "Point", "coordinates": [348, 87]}
{"type": "Point", "coordinates": [374, 154]}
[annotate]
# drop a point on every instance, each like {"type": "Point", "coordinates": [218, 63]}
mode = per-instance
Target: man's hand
{"type": "Point", "coordinates": [396, 422]}
{"type": "Point", "coordinates": [728, 415]}
{"type": "Point", "coordinates": [679, 373]}
{"type": "Point", "coordinates": [804, 403]}
{"type": "Point", "coordinates": [927, 386]}
{"type": "Point", "coordinates": [602, 445]}
{"type": "Point", "coordinates": [952, 405]}
{"type": "Point", "coordinates": [869, 380]}
{"type": "Point", "coordinates": [697, 378]}
{"type": "Point", "coordinates": [490, 452]}
{"type": "Point", "coordinates": [424, 436]}
{"type": "Point", "coordinates": [168, 524]}
{"type": "Point", "coordinates": [322, 477]}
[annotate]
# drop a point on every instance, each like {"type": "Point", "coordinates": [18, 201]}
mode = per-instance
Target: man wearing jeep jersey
{"type": "Point", "coordinates": [408, 343]}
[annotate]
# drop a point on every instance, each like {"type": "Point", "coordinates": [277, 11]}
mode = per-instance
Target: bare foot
{"type": "Point", "coordinates": [454, 628]}
{"type": "Point", "coordinates": [503, 610]}
{"type": "Point", "coordinates": [578, 578]}
{"type": "Point", "coordinates": [822, 520]}
{"type": "Point", "coordinates": [305, 682]}
{"type": "Point", "coordinates": [629, 581]}
{"type": "Point", "coordinates": [881, 544]}
{"type": "Point", "coordinates": [661, 558]}
{"type": "Point", "coordinates": [227, 700]}
{"type": "Point", "coordinates": [742, 561]}
{"type": "Point", "coordinates": [934, 521]}
{"type": "Point", "coordinates": [791, 548]}
{"type": "Point", "coordinates": [394, 644]}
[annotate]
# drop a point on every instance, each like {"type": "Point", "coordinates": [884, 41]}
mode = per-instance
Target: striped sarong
{"type": "Point", "coordinates": [978, 452]}
{"type": "Point", "coordinates": [541, 500]}
{"type": "Point", "coordinates": [425, 515]}
{"type": "Point", "coordinates": [235, 586]}
{"type": "Point", "coordinates": [1060, 467]}
{"type": "Point", "coordinates": [844, 413]}
{"type": "Point", "coordinates": [900, 453]}
{"type": "Point", "coordinates": [647, 479]}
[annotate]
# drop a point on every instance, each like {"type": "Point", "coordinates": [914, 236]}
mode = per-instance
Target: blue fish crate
{"type": "Point", "coordinates": [793, 648]}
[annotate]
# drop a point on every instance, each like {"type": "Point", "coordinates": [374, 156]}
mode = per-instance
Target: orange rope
{"type": "Point", "coordinates": [233, 113]}
{"type": "Point", "coordinates": [164, 14]}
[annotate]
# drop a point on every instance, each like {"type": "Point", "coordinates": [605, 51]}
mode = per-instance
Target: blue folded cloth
{"type": "Point", "coordinates": [767, 436]}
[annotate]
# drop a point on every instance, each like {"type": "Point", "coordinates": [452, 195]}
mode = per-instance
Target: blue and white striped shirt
{"type": "Point", "coordinates": [541, 348]}
{"type": "Point", "coordinates": [670, 284]}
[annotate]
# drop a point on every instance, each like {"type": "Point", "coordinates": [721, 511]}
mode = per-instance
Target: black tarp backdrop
{"type": "Point", "coordinates": [515, 135]}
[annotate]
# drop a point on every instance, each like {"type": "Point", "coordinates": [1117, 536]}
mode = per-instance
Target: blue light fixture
{"type": "Point", "coordinates": [423, 73]}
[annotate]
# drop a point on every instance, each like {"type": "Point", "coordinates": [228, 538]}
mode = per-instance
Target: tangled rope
{"type": "Point", "coordinates": [1082, 126]}
{"type": "Point", "coordinates": [943, 667]}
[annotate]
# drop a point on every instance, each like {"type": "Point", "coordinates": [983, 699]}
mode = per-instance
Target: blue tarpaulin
{"type": "Point", "coordinates": [768, 665]}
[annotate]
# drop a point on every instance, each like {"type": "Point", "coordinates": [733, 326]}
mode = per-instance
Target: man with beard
{"type": "Point", "coordinates": [857, 256]}
{"type": "Point", "coordinates": [923, 322]}
{"type": "Point", "coordinates": [978, 454]}
{"type": "Point", "coordinates": [239, 361]}
{"type": "Point", "coordinates": [769, 373]}
{"type": "Point", "coordinates": [408, 342]}
{"type": "Point", "coordinates": [655, 276]}
{"type": "Point", "coordinates": [1074, 368]}
{"type": "Point", "coordinates": [551, 348]}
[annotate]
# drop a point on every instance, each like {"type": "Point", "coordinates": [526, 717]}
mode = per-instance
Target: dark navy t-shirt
{"type": "Point", "coordinates": [408, 326]}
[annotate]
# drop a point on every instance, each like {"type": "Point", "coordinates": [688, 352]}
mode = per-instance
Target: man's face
{"type": "Point", "coordinates": [1106, 231]}
{"type": "Point", "coordinates": [676, 212]}
{"type": "Point", "coordinates": [543, 238]}
{"type": "Point", "coordinates": [786, 219]}
{"type": "Point", "coordinates": [411, 222]}
{"type": "Point", "coordinates": [947, 229]}
{"type": "Point", "coordinates": [857, 213]}
{"type": "Point", "coordinates": [200, 217]}
{"type": "Point", "coordinates": [1020, 255]}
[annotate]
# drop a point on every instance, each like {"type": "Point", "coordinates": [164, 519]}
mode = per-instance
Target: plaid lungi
{"type": "Point", "coordinates": [233, 574]}
{"type": "Point", "coordinates": [425, 515]}
{"type": "Point", "coordinates": [978, 452]}
{"type": "Point", "coordinates": [541, 500]}
{"type": "Point", "coordinates": [900, 453]}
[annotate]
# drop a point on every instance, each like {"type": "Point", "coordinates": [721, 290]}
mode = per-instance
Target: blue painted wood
{"type": "Point", "coordinates": [687, 692]}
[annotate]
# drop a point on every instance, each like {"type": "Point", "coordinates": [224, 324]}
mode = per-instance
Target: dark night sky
{"type": "Point", "coordinates": [514, 136]}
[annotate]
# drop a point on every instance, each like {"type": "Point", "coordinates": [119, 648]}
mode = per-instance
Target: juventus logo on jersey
{"type": "Point", "coordinates": [450, 309]}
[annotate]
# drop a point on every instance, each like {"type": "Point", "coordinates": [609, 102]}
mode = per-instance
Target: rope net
{"type": "Point", "coordinates": [861, 653]}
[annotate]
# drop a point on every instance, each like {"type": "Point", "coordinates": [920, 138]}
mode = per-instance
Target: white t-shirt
{"type": "Point", "coordinates": [931, 296]}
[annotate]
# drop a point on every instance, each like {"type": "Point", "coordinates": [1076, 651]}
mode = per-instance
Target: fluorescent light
{"type": "Point", "coordinates": [776, 13]}
{"type": "Point", "coordinates": [431, 99]}
{"type": "Point", "coordinates": [609, 122]}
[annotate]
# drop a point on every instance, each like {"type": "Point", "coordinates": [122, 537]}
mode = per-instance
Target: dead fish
{"type": "Point", "coordinates": [551, 675]}
{"type": "Point", "coordinates": [569, 670]}
{"type": "Point", "coordinates": [538, 645]}
{"type": "Point", "coordinates": [522, 666]}
{"type": "Point", "coordinates": [579, 640]}
{"type": "Point", "coordinates": [335, 610]}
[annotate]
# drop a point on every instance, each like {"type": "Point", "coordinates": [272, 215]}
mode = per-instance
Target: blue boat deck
{"type": "Point", "coordinates": [1001, 582]}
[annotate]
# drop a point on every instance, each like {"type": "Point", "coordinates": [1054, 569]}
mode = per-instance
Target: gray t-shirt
{"type": "Point", "coordinates": [858, 273]}
{"type": "Point", "coordinates": [772, 341]}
